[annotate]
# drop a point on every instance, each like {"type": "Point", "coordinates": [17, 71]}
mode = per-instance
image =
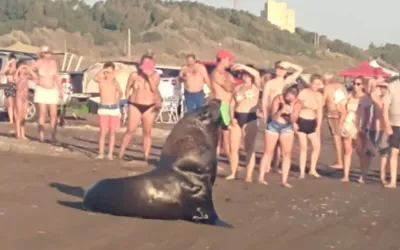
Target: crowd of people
{"type": "Point", "coordinates": [365, 120]}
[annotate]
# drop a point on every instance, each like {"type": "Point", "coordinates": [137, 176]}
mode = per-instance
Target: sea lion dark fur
{"type": "Point", "coordinates": [180, 187]}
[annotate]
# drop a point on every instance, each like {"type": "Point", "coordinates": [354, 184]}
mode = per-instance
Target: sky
{"type": "Point", "coordinates": [353, 21]}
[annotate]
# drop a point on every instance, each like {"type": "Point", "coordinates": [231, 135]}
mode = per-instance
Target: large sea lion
{"type": "Point", "coordinates": [180, 187]}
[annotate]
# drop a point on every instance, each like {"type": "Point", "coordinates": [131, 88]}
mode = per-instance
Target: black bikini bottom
{"type": "Point", "coordinates": [142, 108]}
{"type": "Point", "coordinates": [307, 126]}
{"type": "Point", "coordinates": [243, 118]}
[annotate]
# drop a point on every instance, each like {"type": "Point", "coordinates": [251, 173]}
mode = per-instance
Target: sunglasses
{"type": "Point", "coordinates": [280, 67]}
{"type": "Point", "coordinates": [357, 83]}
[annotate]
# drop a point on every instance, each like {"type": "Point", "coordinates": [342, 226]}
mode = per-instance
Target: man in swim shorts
{"type": "Point", "coordinates": [194, 75]}
{"type": "Point", "coordinates": [334, 93]}
{"type": "Point", "coordinates": [109, 110]}
{"type": "Point", "coordinates": [222, 84]}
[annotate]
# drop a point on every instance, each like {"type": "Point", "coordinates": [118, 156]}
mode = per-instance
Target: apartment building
{"type": "Point", "coordinates": [280, 15]}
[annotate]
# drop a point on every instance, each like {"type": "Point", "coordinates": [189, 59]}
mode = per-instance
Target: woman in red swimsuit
{"type": "Point", "coordinates": [144, 100]}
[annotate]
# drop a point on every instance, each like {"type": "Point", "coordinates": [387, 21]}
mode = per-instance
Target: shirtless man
{"type": "Point", "coordinates": [48, 90]}
{"type": "Point", "coordinates": [274, 88]}
{"type": "Point", "coordinates": [222, 84]}
{"type": "Point", "coordinates": [334, 93]}
{"type": "Point", "coordinates": [10, 92]}
{"type": "Point", "coordinates": [194, 75]}
{"type": "Point", "coordinates": [109, 110]}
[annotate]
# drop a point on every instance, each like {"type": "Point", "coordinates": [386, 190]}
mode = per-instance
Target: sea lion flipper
{"type": "Point", "coordinates": [221, 223]}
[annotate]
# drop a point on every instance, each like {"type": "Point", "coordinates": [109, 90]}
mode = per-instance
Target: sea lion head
{"type": "Point", "coordinates": [210, 114]}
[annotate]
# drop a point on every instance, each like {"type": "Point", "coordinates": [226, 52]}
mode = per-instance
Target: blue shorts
{"type": "Point", "coordinates": [279, 128]}
{"type": "Point", "coordinates": [194, 100]}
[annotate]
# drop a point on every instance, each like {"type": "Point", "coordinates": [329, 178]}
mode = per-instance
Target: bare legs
{"type": "Point", "coordinates": [133, 121]}
{"type": "Point", "coordinates": [148, 118]}
{"type": "Point", "coordinates": [348, 150]}
{"type": "Point", "coordinates": [43, 110]}
{"type": "Point", "coordinates": [337, 140]}
{"type": "Point", "coordinates": [235, 139]}
{"type": "Point", "coordinates": [270, 141]}
{"type": "Point", "coordinates": [316, 148]}
{"type": "Point", "coordinates": [250, 134]}
{"type": "Point", "coordinates": [394, 154]}
{"type": "Point", "coordinates": [383, 164]}
{"type": "Point", "coordinates": [286, 141]}
{"type": "Point", "coordinates": [21, 106]}
{"type": "Point", "coordinates": [10, 108]}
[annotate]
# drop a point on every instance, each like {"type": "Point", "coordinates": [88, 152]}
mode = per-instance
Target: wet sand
{"type": "Point", "coordinates": [39, 209]}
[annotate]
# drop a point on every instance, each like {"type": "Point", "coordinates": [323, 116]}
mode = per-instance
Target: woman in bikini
{"type": "Point", "coordinates": [10, 92]}
{"type": "Point", "coordinates": [308, 125]}
{"type": "Point", "coordinates": [144, 100]}
{"type": "Point", "coordinates": [243, 112]}
{"type": "Point", "coordinates": [354, 121]}
{"type": "Point", "coordinates": [22, 76]}
{"type": "Point", "coordinates": [48, 91]}
{"type": "Point", "coordinates": [280, 127]}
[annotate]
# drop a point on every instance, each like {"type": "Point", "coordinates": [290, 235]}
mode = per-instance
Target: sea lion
{"type": "Point", "coordinates": [180, 187]}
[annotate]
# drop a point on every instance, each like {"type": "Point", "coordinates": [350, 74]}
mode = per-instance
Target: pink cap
{"type": "Point", "coordinates": [147, 65]}
{"type": "Point", "coordinates": [224, 53]}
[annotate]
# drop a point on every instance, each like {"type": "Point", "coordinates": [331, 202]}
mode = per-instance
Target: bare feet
{"type": "Point", "coordinates": [110, 157]}
{"type": "Point", "coordinates": [345, 180]}
{"type": "Point", "coordinates": [384, 182]}
{"type": "Point", "coordinates": [263, 182]}
{"type": "Point", "coordinates": [231, 177]}
{"type": "Point", "coordinates": [248, 180]}
{"type": "Point", "coordinates": [302, 176]}
{"type": "Point", "coordinates": [336, 166]}
{"type": "Point", "coordinates": [286, 185]}
{"type": "Point", "coordinates": [24, 137]}
{"type": "Point", "coordinates": [361, 180]}
{"type": "Point", "coordinates": [100, 157]}
{"type": "Point", "coordinates": [41, 137]}
{"type": "Point", "coordinates": [390, 185]}
{"type": "Point", "coordinates": [315, 174]}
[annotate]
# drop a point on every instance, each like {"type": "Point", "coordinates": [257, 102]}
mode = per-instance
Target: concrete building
{"type": "Point", "coordinates": [280, 15]}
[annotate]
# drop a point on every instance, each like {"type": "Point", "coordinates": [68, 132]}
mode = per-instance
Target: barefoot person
{"type": "Point", "coordinates": [143, 103]}
{"type": "Point", "coordinates": [194, 75]}
{"type": "Point", "coordinates": [334, 93]}
{"type": "Point", "coordinates": [22, 76]}
{"type": "Point", "coordinates": [10, 92]}
{"type": "Point", "coordinates": [109, 110]}
{"type": "Point", "coordinates": [280, 128]}
{"type": "Point", "coordinates": [353, 124]}
{"type": "Point", "coordinates": [48, 90]}
{"type": "Point", "coordinates": [391, 116]}
{"type": "Point", "coordinates": [243, 113]}
{"type": "Point", "coordinates": [274, 88]}
{"type": "Point", "coordinates": [222, 84]}
{"type": "Point", "coordinates": [309, 124]}
{"type": "Point", "coordinates": [377, 132]}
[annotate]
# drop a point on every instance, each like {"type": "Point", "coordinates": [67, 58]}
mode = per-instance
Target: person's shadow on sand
{"type": "Point", "coordinates": [70, 190]}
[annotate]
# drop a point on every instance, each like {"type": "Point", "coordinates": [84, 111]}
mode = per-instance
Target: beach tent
{"type": "Point", "coordinates": [365, 70]}
{"type": "Point", "coordinates": [375, 64]}
{"type": "Point", "coordinates": [91, 87]}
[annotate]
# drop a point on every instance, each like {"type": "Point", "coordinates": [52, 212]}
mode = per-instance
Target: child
{"type": "Point", "coordinates": [109, 110]}
{"type": "Point", "coordinates": [21, 77]}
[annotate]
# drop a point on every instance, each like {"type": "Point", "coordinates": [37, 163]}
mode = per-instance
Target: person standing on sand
{"type": "Point", "coordinates": [109, 111]}
{"type": "Point", "coordinates": [222, 84]}
{"type": "Point", "coordinates": [11, 91]}
{"type": "Point", "coordinates": [274, 88]}
{"type": "Point", "coordinates": [391, 117]}
{"type": "Point", "coordinates": [334, 93]}
{"type": "Point", "coordinates": [48, 91]}
{"type": "Point", "coordinates": [194, 75]}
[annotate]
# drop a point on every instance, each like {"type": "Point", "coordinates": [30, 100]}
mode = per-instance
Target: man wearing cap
{"type": "Point", "coordinates": [275, 87]}
{"type": "Point", "coordinates": [194, 75]}
{"type": "Point", "coordinates": [222, 84]}
{"type": "Point", "coordinates": [391, 117]}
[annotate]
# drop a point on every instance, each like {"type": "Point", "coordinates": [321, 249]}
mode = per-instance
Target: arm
{"type": "Point", "coordinates": [342, 111]}
{"type": "Point", "coordinates": [58, 77]}
{"type": "Point", "coordinates": [233, 105]}
{"type": "Point", "coordinates": [320, 111]}
{"type": "Point", "coordinates": [119, 91]}
{"type": "Point", "coordinates": [276, 110]}
{"type": "Point", "coordinates": [264, 102]}
{"type": "Point", "coordinates": [131, 81]}
{"type": "Point", "coordinates": [182, 72]}
{"type": "Point", "coordinates": [296, 111]}
{"type": "Point", "coordinates": [254, 73]}
{"type": "Point", "coordinates": [385, 113]}
{"type": "Point", "coordinates": [99, 76]}
{"type": "Point", "coordinates": [298, 70]}
{"type": "Point", "coordinates": [206, 78]}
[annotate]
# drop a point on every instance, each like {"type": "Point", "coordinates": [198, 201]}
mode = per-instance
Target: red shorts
{"type": "Point", "coordinates": [111, 122]}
